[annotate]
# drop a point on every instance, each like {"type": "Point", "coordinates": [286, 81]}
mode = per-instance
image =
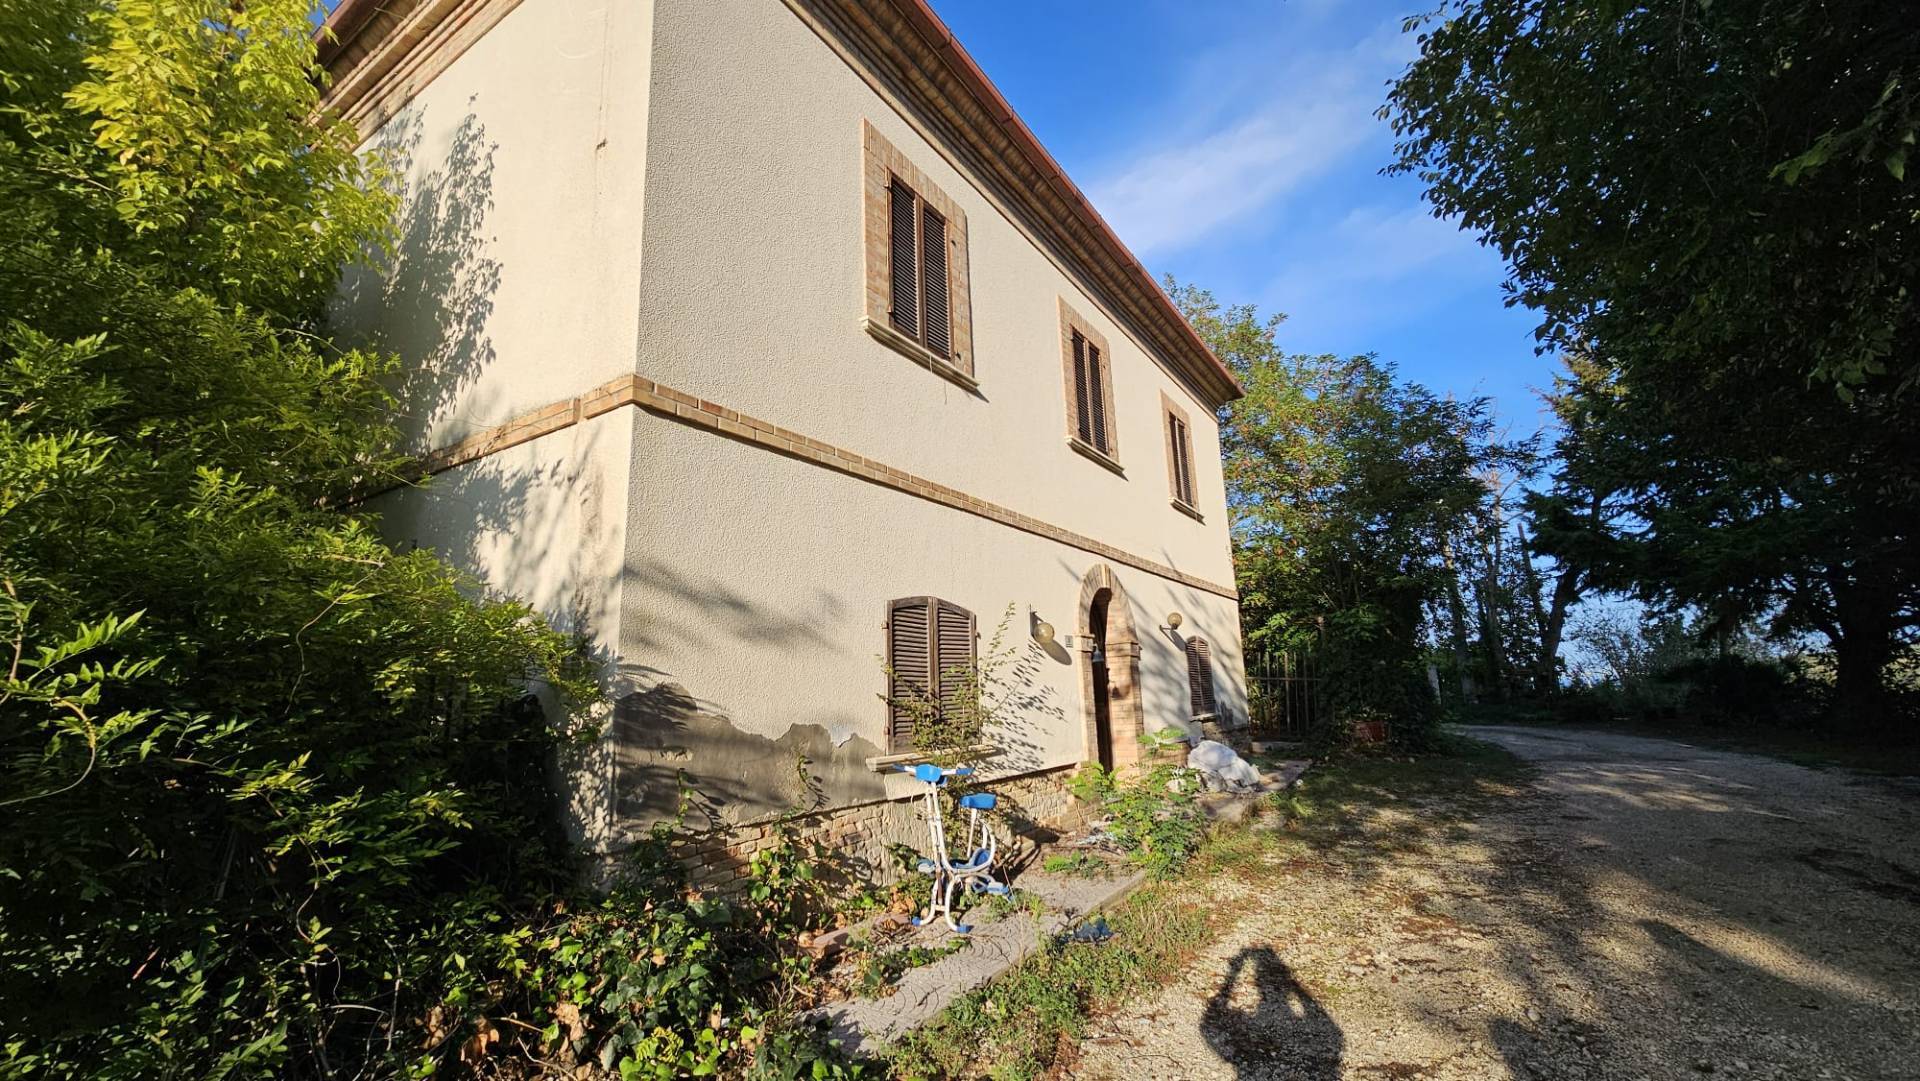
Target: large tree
{"type": "Point", "coordinates": [1713, 201]}
{"type": "Point", "coordinates": [1346, 485]}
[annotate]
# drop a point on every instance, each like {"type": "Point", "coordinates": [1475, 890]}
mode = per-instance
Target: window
{"type": "Point", "coordinates": [916, 256]}
{"type": "Point", "coordinates": [917, 271]}
{"type": "Point", "coordinates": [1087, 367]}
{"type": "Point", "coordinates": [931, 656]}
{"type": "Point", "coordinates": [1200, 677]}
{"type": "Point", "coordinates": [1179, 456]}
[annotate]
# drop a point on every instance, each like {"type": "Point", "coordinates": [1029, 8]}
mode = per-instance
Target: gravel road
{"type": "Point", "coordinates": [1641, 909]}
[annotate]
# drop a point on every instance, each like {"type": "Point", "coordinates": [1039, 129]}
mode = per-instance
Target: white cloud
{"type": "Point", "coordinates": [1182, 188]}
{"type": "Point", "coordinates": [1183, 194]}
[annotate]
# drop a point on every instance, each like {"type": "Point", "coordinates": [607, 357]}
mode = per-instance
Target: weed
{"type": "Point", "coordinates": [1084, 864]}
{"type": "Point", "coordinates": [1000, 906]}
{"type": "Point", "coordinates": [1154, 817]}
{"type": "Point", "coordinates": [879, 971]}
{"type": "Point", "coordinates": [1012, 1028]}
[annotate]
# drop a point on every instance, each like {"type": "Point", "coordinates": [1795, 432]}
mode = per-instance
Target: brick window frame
{"type": "Point", "coordinates": [1098, 421]}
{"type": "Point", "coordinates": [1176, 431]}
{"type": "Point", "coordinates": [882, 163]}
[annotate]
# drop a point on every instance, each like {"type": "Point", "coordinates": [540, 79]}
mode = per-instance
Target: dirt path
{"type": "Point", "coordinates": [1639, 910]}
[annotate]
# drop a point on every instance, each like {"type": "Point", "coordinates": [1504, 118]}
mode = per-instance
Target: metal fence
{"type": "Point", "coordinates": [1283, 694]}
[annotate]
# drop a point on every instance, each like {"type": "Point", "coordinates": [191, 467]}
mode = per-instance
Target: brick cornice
{"type": "Point", "coordinates": [379, 53]}
{"type": "Point", "coordinates": [665, 401]}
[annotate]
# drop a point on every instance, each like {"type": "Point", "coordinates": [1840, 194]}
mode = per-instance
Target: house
{"type": "Point", "coordinates": [761, 343]}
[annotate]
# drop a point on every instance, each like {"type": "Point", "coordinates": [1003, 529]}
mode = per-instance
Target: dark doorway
{"type": "Point", "coordinates": [1102, 715]}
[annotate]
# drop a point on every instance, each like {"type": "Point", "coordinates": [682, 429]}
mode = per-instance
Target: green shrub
{"type": "Point", "coordinates": [1155, 816]}
{"type": "Point", "coordinates": [278, 797]}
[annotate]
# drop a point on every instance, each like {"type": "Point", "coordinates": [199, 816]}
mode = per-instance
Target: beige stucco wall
{"type": "Point", "coordinates": [754, 593]}
{"type": "Point", "coordinates": [673, 188]}
{"type": "Point", "coordinates": [546, 522]}
{"type": "Point", "coordinates": [521, 171]}
{"type": "Point", "coordinates": [752, 294]}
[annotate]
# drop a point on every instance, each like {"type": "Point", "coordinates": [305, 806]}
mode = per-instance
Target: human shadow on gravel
{"type": "Point", "coordinates": [1284, 1033]}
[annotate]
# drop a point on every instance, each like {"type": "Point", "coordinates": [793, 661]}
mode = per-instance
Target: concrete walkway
{"type": "Point", "coordinates": [865, 1026]}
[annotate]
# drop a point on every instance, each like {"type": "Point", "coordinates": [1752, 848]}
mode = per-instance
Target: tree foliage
{"type": "Point", "coordinates": [1709, 205]}
{"type": "Point", "coordinates": [262, 777]}
{"type": "Point", "coordinates": [1348, 488]}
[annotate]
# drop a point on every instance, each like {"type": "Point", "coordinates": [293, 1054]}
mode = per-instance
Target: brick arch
{"type": "Point", "coordinates": [1125, 721]}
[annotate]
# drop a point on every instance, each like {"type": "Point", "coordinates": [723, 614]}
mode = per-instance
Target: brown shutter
{"type": "Point", "coordinates": [1200, 676]}
{"type": "Point", "coordinates": [906, 271]}
{"type": "Point", "coordinates": [1097, 394]}
{"type": "Point", "coordinates": [1182, 460]}
{"type": "Point", "coordinates": [933, 262]}
{"type": "Point", "coordinates": [1080, 411]}
{"type": "Point", "coordinates": [954, 649]}
{"type": "Point", "coordinates": [910, 659]}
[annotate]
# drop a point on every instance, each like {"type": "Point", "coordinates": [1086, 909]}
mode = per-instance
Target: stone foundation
{"type": "Point", "coordinates": [1034, 808]}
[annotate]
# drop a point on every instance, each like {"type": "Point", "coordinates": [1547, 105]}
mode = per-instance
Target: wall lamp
{"type": "Point", "coordinates": [1174, 619]}
{"type": "Point", "coordinates": [1042, 630]}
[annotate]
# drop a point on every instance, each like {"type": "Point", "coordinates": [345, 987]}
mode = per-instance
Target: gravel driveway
{"type": "Point", "coordinates": [1640, 909]}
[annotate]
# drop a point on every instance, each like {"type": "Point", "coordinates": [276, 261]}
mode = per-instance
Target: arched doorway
{"type": "Point", "coordinates": [1109, 671]}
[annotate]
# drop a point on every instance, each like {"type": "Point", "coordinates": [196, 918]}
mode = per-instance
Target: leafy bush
{"type": "Point", "coordinates": [1155, 816]}
{"type": "Point", "coordinates": [277, 797]}
{"type": "Point", "coordinates": [652, 979]}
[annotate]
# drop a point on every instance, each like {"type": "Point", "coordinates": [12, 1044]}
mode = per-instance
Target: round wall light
{"type": "Point", "coordinates": [1174, 620]}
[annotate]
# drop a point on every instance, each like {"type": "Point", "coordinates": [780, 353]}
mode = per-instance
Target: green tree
{"type": "Point", "coordinates": [1346, 486]}
{"type": "Point", "coordinates": [1712, 203]}
{"type": "Point", "coordinates": [263, 780]}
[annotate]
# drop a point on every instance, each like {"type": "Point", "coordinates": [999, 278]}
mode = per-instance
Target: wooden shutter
{"type": "Point", "coordinates": [933, 283]}
{"type": "Point", "coordinates": [1200, 676]}
{"type": "Point", "coordinates": [953, 650]}
{"type": "Point", "coordinates": [1082, 415]}
{"type": "Point", "coordinates": [931, 650]}
{"type": "Point", "coordinates": [910, 661]}
{"type": "Point", "coordinates": [1181, 448]}
{"type": "Point", "coordinates": [906, 268]}
{"type": "Point", "coordinates": [1097, 394]}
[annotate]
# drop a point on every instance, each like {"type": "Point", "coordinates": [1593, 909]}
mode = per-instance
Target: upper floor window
{"type": "Point", "coordinates": [932, 662]}
{"type": "Point", "coordinates": [1087, 368]}
{"type": "Point", "coordinates": [916, 258]}
{"type": "Point", "coordinates": [1180, 484]}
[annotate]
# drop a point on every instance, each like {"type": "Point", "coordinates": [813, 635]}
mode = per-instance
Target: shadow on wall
{"type": "Point", "coordinates": [662, 734]}
{"type": "Point", "coordinates": [542, 533]}
{"type": "Point", "coordinates": [1267, 1025]}
{"type": "Point", "coordinates": [665, 730]}
{"type": "Point", "coordinates": [432, 299]}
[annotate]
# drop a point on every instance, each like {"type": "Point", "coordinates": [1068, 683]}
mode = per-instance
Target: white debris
{"type": "Point", "coordinates": [1221, 769]}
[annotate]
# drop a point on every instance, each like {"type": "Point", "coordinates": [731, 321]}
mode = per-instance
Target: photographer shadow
{"type": "Point", "coordinates": [1263, 1022]}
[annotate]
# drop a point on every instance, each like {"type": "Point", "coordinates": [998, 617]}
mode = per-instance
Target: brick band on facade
{"type": "Point", "coordinates": [643, 393]}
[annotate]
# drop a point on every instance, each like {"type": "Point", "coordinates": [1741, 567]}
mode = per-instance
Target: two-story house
{"type": "Point", "coordinates": [761, 342]}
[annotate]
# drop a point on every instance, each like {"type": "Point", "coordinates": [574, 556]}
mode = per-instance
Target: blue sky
{"type": "Point", "coordinates": [1235, 146]}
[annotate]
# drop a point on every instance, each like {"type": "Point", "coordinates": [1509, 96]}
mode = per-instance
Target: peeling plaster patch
{"type": "Point", "coordinates": [736, 776]}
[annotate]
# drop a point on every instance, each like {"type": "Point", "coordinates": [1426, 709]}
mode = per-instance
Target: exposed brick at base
{"type": "Point", "coordinates": [1033, 809]}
